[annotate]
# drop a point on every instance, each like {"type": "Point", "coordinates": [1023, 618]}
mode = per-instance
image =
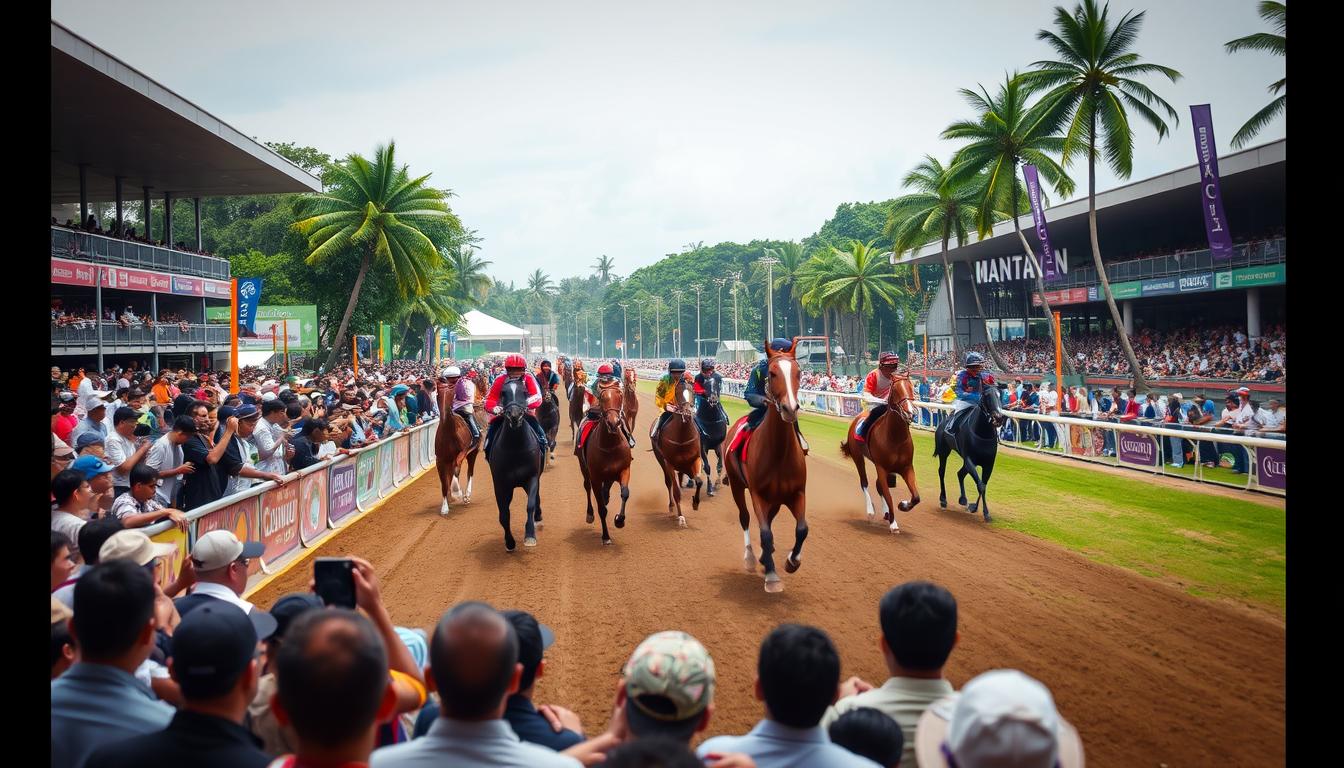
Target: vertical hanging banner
{"type": "Point", "coordinates": [249, 295]}
{"type": "Point", "coordinates": [384, 342]}
{"type": "Point", "coordinates": [1047, 256]}
{"type": "Point", "coordinates": [1210, 190]}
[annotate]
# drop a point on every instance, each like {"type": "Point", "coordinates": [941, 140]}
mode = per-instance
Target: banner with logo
{"type": "Point", "coordinates": [249, 295]}
{"type": "Point", "coordinates": [384, 342]}
{"type": "Point", "coordinates": [366, 482]}
{"type": "Point", "coordinates": [240, 518]}
{"type": "Point", "coordinates": [1251, 277]}
{"type": "Point", "coordinates": [1047, 255]}
{"type": "Point", "coordinates": [172, 566]}
{"type": "Point", "coordinates": [1202, 281]}
{"type": "Point", "coordinates": [1160, 286]}
{"type": "Point", "coordinates": [1211, 195]}
{"type": "Point", "coordinates": [270, 327]}
{"type": "Point", "coordinates": [279, 522]}
{"type": "Point", "coordinates": [385, 461]}
{"type": "Point", "coordinates": [313, 505]}
{"type": "Point", "coordinates": [1271, 468]}
{"type": "Point", "coordinates": [401, 460]}
{"type": "Point", "coordinates": [342, 487]}
{"type": "Point", "coordinates": [1136, 448]}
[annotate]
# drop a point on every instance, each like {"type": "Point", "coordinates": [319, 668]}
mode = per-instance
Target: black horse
{"type": "Point", "coordinates": [713, 423]}
{"type": "Point", "coordinates": [548, 413]}
{"type": "Point", "coordinates": [516, 461]}
{"type": "Point", "coordinates": [977, 442]}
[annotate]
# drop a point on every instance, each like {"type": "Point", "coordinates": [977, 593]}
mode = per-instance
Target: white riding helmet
{"type": "Point", "coordinates": [451, 371]}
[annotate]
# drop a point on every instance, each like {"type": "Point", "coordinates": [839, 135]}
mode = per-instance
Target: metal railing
{"type": "Point", "coordinates": [83, 246]}
{"type": "Point", "coordinates": [85, 335]}
{"type": "Point", "coordinates": [1273, 251]}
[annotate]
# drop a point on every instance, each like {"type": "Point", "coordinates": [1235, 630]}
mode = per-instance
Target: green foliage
{"type": "Point", "coordinates": [1277, 44]}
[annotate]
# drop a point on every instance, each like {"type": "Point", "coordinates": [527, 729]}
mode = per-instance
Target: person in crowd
{"type": "Point", "coordinates": [240, 456]}
{"type": "Point", "coordinates": [653, 753]}
{"type": "Point", "coordinates": [98, 700]}
{"type": "Point", "coordinates": [72, 503]}
{"type": "Point", "coordinates": [270, 439]}
{"type": "Point", "coordinates": [166, 459]}
{"type": "Point", "coordinates": [99, 475]}
{"type": "Point", "coordinates": [221, 562]}
{"type": "Point", "coordinates": [124, 449]}
{"type": "Point", "coordinates": [918, 621]}
{"type": "Point", "coordinates": [139, 507]}
{"type": "Point", "coordinates": [91, 539]}
{"type": "Point", "coordinates": [64, 559]}
{"type": "Point", "coordinates": [1001, 717]}
{"type": "Point", "coordinates": [216, 668]}
{"type": "Point", "coordinates": [276, 740]}
{"type": "Point", "coordinates": [1236, 416]}
{"type": "Point", "coordinates": [308, 444]}
{"type": "Point", "coordinates": [95, 413]}
{"type": "Point", "coordinates": [798, 674]}
{"type": "Point", "coordinates": [63, 651]}
{"type": "Point", "coordinates": [204, 452]}
{"type": "Point", "coordinates": [1049, 405]}
{"type": "Point", "coordinates": [64, 421]}
{"type": "Point", "coordinates": [520, 712]}
{"type": "Point", "coordinates": [1272, 418]}
{"type": "Point", "coordinates": [869, 733]}
{"type": "Point", "coordinates": [91, 444]}
{"type": "Point", "coordinates": [427, 398]}
{"type": "Point", "coordinates": [1176, 415]}
{"type": "Point", "coordinates": [1202, 415]}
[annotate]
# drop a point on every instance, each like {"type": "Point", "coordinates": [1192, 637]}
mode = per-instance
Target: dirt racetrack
{"type": "Point", "coordinates": [1149, 675]}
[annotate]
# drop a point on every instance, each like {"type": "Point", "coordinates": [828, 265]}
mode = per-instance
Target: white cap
{"type": "Point", "coordinates": [135, 546]}
{"type": "Point", "coordinates": [218, 548]}
{"type": "Point", "coordinates": [452, 370]}
{"type": "Point", "coordinates": [268, 396]}
{"type": "Point", "coordinates": [94, 400]}
{"type": "Point", "coordinates": [1000, 718]}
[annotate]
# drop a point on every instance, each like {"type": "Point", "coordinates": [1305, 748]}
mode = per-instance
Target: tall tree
{"type": "Point", "coordinates": [471, 285]}
{"type": "Point", "coordinates": [372, 211]}
{"type": "Point", "coordinates": [856, 280]}
{"type": "Point", "coordinates": [1007, 133]}
{"type": "Point", "coordinates": [1277, 44]}
{"type": "Point", "coordinates": [603, 268]}
{"type": "Point", "coordinates": [1093, 82]}
{"type": "Point", "coordinates": [791, 257]}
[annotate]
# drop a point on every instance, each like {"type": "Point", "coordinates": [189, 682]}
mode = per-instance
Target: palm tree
{"type": "Point", "coordinates": [540, 290]}
{"type": "Point", "coordinates": [791, 257]}
{"type": "Point", "coordinates": [810, 276]}
{"type": "Point", "coordinates": [938, 209]}
{"type": "Point", "coordinates": [1007, 133]}
{"type": "Point", "coordinates": [471, 285]}
{"type": "Point", "coordinates": [438, 307]}
{"type": "Point", "coordinates": [856, 280]}
{"type": "Point", "coordinates": [1276, 14]}
{"type": "Point", "coordinates": [372, 209]}
{"type": "Point", "coordinates": [1093, 80]}
{"type": "Point", "coordinates": [603, 268]}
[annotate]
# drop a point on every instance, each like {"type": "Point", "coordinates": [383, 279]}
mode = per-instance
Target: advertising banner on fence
{"type": "Point", "coordinates": [188, 286]}
{"type": "Point", "coordinates": [240, 518]}
{"type": "Point", "coordinates": [279, 521]}
{"type": "Point", "coordinates": [1202, 281]}
{"type": "Point", "coordinates": [270, 322]}
{"type": "Point", "coordinates": [343, 489]}
{"type": "Point", "coordinates": [1271, 468]}
{"type": "Point", "coordinates": [1137, 449]}
{"type": "Point", "coordinates": [385, 479]}
{"type": "Point", "coordinates": [1211, 196]}
{"type": "Point", "coordinates": [1047, 254]}
{"type": "Point", "coordinates": [1130, 290]}
{"type": "Point", "coordinates": [401, 450]}
{"type": "Point", "coordinates": [416, 437]}
{"type": "Point", "coordinates": [313, 498]}
{"type": "Point", "coordinates": [71, 272]}
{"type": "Point", "coordinates": [178, 538]}
{"type": "Point", "coordinates": [1160, 286]}
{"type": "Point", "coordinates": [217, 289]}
{"type": "Point", "coordinates": [366, 472]}
{"type": "Point", "coordinates": [1250, 277]}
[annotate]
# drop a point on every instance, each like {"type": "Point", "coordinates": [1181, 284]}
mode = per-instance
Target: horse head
{"type": "Point", "coordinates": [609, 400]}
{"type": "Point", "coordinates": [684, 397]}
{"type": "Point", "coordinates": [781, 385]}
{"type": "Point", "coordinates": [513, 399]}
{"type": "Point", "coordinates": [989, 403]}
{"type": "Point", "coordinates": [901, 398]}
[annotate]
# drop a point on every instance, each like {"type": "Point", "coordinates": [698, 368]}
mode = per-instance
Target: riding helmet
{"type": "Point", "coordinates": [974, 358]}
{"type": "Point", "coordinates": [676, 364]}
{"type": "Point", "coordinates": [707, 363]}
{"type": "Point", "coordinates": [888, 358]}
{"type": "Point", "coordinates": [515, 361]}
{"type": "Point", "coordinates": [781, 345]}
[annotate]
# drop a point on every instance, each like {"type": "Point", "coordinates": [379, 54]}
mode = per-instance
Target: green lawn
{"type": "Point", "coordinates": [1211, 545]}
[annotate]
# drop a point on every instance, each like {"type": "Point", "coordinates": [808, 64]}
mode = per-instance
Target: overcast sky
{"type": "Point", "coordinates": [570, 130]}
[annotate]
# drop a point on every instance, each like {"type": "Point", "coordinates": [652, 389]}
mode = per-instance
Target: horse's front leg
{"type": "Point", "coordinates": [772, 580]}
{"type": "Point", "coordinates": [961, 480]}
{"type": "Point", "coordinates": [942, 481]}
{"type": "Point", "coordinates": [799, 509]}
{"type": "Point", "coordinates": [533, 512]}
{"type": "Point", "coordinates": [983, 484]}
{"type": "Point", "coordinates": [625, 496]}
{"type": "Point", "coordinates": [503, 497]}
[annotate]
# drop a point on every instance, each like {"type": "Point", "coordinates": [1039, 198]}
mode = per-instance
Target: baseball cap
{"type": "Point", "coordinates": [415, 642]}
{"type": "Point", "coordinates": [1001, 717]}
{"type": "Point", "coordinates": [533, 640]}
{"type": "Point", "coordinates": [66, 397]}
{"type": "Point", "coordinates": [135, 546]}
{"type": "Point", "coordinates": [91, 466]}
{"type": "Point", "coordinates": [95, 400]}
{"type": "Point", "coordinates": [288, 607]}
{"type": "Point", "coordinates": [225, 411]}
{"type": "Point", "coordinates": [247, 411]}
{"type": "Point", "coordinates": [268, 397]}
{"type": "Point", "coordinates": [218, 548]}
{"type": "Point", "coordinates": [669, 679]}
{"type": "Point", "coordinates": [212, 646]}
{"type": "Point", "coordinates": [86, 439]}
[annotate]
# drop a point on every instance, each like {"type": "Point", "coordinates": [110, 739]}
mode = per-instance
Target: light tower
{"type": "Point", "coordinates": [769, 262]}
{"type": "Point", "coordinates": [697, 287]}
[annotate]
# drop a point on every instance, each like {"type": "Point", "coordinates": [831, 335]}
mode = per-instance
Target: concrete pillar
{"type": "Point", "coordinates": [1253, 312]}
{"type": "Point", "coordinates": [148, 229]}
{"type": "Point", "coordinates": [168, 219]}
{"type": "Point", "coordinates": [196, 204]}
{"type": "Point", "coordinates": [117, 183]}
{"type": "Point", "coordinates": [1127, 311]}
{"type": "Point", "coordinates": [154, 314]}
{"type": "Point", "coordinates": [84, 203]}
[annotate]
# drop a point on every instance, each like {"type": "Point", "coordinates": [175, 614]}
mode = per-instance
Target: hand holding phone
{"type": "Point", "coordinates": [334, 582]}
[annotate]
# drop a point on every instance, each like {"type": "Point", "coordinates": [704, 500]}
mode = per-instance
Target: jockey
{"type": "Point", "coordinates": [515, 369]}
{"type": "Point", "coordinates": [755, 391]}
{"type": "Point", "coordinates": [666, 393]}
{"type": "Point", "coordinates": [464, 399]}
{"type": "Point", "coordinates": [605, 378]}
{"type": "Point", "coordinates": [548, 378]}
{"type": "Point", "coordinates": [969, 386]}
{"type": "Point", "coordinates": [616, 368]}
{"type": "Point", "coordinates": [877, 387]}
{"type": "Point", "coordinates": [703, 380]}
{"type": "Point", "coordinates": [580, 375]}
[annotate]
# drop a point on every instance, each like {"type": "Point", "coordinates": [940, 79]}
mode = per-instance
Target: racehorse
{"type": "Point", "coordinates": [604, 458]}
{"type": "Point", "coordinates": [677, 449]}
{"type": "Point", "coordinates": [713, 423]}
{"type": "Point", "coordinates": [516, 461]}
{"type": "Point", "coordinates": [548, 413]}
{"type": "Point", "coordinates": [566, 372]}
{"type": "Point", "coordinates": [890, 447]}
{"type": "Point", "coordinates": [629, 401]}
{"type": "Point", "coordinates": [977, 442]}
{"type": "Point", "coordinates": [452, 445]}
{"type": "Point", "coordinates": [575, 395]}
{"type": "Point", "coordinates": [773, 468]}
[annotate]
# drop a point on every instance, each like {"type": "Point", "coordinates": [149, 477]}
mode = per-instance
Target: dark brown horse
{"type": "Point", "coordinates": [774, 471]}
{"type": "Point", "coordinates": [566, 372]}
{"type": "Point", "coordinates": [576, 396]}
{"type": "Point", "coordinates": [629, 400]}
{"type": "Point", "coordinates": [890, 447]}
{"type": "Point", "coordinates": [605, 459]}
{"type": "Point", "coordinates": [452, 445]}
{"type": "Point", "coordinates": [677, 449]}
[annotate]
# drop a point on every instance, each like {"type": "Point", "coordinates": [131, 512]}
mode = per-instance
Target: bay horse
{"type": "Point", "coordinates": [575, 394]}
{"type": "Point", "coordinates": [889, 445]}
{"type": "Point", "coordinates": [604, 458]}
{"type": "Point", "coordinates": [977, 442]}
{"type": "Point", "coordinates": [677, 449]}
{"type": "Point", "coordinates": [773, 470]}
{"type": "Point", "coordinates": [566, 373]}
{"type": "Point", "coordinates": [516, 461]}
{"type": "Point", "coordinates": [452, 447]}
{"type": "Point", "coordinates": [548, 413]}
{"type": "Point", "coordinates": [713, 423]}
{"type": "Point", "coordinates": [629, 401]}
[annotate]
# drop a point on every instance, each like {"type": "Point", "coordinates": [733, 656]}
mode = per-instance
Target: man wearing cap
{"type": "Point", "coordinates": [124, 449]}
{"type": "Point", "coordinates": [99, 475]}
{"type": "Point", "coordinates": [64, 422]}
{"type": "Point", "coordinates": [95, 411]}
{"type": "Point", "coordinates": [531, 725]}
{"type": "Point", "coordinates": [215, 666]}
{"type": "Point", "coordinates": [221, 562]}
{"type": "Point", "coordinates": [1001, 717]}
{"type": "Point", "coordinates": [91, 444]}
{"type": "Point", "coordinates": [239, 462]}
{"type": "Point", "coordinates": [474, 663]}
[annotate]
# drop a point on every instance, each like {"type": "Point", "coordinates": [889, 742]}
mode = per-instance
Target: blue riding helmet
{"type": "Point", "coordinates": [974, 358]}
{"type": "Point", "coordinates": [676, 365]}
{"type": "Point", "coordinates": [707, 363]}
{"type": "Point", "coordinates": [781, 345]}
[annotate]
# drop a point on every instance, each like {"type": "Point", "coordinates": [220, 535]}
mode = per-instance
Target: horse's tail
{"type": "Point", "coordinates": [844, 448]}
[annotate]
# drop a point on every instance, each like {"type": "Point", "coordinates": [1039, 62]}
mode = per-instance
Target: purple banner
{"type": "Point", "coordinates": [1211, 195]}
{"type": "Point", "coordinates": [1137, 449]}
{"type": "Point", "coordinates": [1047, 256]}
{"type": "Point", "coordinates": [342, 490]}
{"type": "Point", "coordinates": [1272, 464]}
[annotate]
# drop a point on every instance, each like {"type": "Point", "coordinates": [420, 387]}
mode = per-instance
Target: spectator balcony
{"type": "Point", "coordinates": [1256, 253]}
{"type": "Point", "coordinates": [82, 338]}
{"type": "Point", "coordinates": [99, 249]}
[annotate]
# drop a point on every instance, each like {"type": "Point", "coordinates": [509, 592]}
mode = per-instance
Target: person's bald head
{"type": "Point", "coordinates": [473, 659]}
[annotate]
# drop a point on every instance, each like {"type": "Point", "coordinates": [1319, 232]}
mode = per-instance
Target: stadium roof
{"type": "Point", "coordinates": [1255, 173]}
{"type": "Point", "coordinates": [118, 122]}
{"type": "Point", "coordinates": [483, 327]}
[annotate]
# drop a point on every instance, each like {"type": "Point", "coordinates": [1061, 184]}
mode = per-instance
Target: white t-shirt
{"type": "Point", "coordinates": [118, 450]}
{"type": "Point", "coordinates": [1049, 402]}
{"type": "Point", "coordinates": [162, 456]}
{"type": "Point", "coordinates": [68, 524]}
{"type": "Point", "coordinates": [1268, 419]}
{"type": "Point", "coordinates": [270, 451]}
{"type": "Point", "coordinates": [248, 452]}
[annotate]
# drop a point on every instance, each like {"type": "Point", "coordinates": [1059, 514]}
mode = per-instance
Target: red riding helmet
{"type": "Point", "coordinates": [605, 369]}
{"type": "Point", "coordinates": [888, 358]}
{"type": "Point", "coordinates": [515, 361]}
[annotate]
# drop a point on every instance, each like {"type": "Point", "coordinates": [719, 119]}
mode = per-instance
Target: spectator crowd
{"type": "Point", "coordinates": [122, 232]}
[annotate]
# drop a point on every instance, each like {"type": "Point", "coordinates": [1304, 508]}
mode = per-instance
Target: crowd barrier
{"type": "Point", "coordinates": [311, 504]}
{"type": "Point", "coordinates": [1135, 446]}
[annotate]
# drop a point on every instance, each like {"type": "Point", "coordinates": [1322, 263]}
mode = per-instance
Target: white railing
{"type": "Point", "coordinates": [300, 514]}
{"type": "Point", "coordinates": [1130, 445]}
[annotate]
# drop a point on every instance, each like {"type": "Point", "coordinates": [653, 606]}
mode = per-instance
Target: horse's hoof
{"type": "Point", "coordinates": [749, 561]}
{"type": "Point", "coordinates": [988, 519]}
{"type": "Point", "coordinates": [681, 521]}
{"type": "Point", "coordinates": [942, 502]}
{"type": "Point", "coordinates": [538, 523]}
{"type": "Point", "coordinates": [530, 541]}
{"type": "Point", "coordinates": [607, 542]}
{"type": "Point", "coordinates": [889, 517]}
{"type": "Point", "coordinates": [590, 518]}
{"type": "Point", "coordinates": [773, 585]}
{"type": "Point", "coordinates": [510, 545]}
{"type": "Point", "coordinates": [895, 527]}
{"type": "Point", "coordinates": [620, 521]}
{"type": "Point", "coordinates": [962, 502]}
{"type": "Point", "coordinates": [906, 506]}
{"type": "Point", "coordinates": [871, 515]}
{"type": "Point", "coordinates": [973, 507]}
{"type": "Point", "coordinates": [791, 565]}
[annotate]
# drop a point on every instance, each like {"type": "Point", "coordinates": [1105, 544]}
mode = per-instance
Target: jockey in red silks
{"type": "Point", "coordinates": [877, 388]}
{"type": "Point", "coordinates": [515, 369]}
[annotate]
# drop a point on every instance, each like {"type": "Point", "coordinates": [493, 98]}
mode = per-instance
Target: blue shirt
{"type": "Point", "coordinates": [772, 745]}
{"type": "Point", "coordinates": [1209, 409]}
{"type": "Point", "coordinates": [532, 727]}
{"type": "Point", "coordinates": [469, 745]}
{"type": "Point", "coordinates": [95, 704]}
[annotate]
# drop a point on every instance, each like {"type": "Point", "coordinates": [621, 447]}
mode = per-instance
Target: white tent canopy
{"type": "Point", "coordinates": [483, 327]}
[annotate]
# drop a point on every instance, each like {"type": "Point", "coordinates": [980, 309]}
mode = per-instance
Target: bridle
{"type": "Point", "coordinates": [896, 406]}
{"type": "Point", "coordinates": [619, 411]}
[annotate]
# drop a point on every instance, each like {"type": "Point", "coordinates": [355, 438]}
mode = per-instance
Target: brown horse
{"type": "Point", "coordinates": [774, 470]}
{"type": "Point", "coordinates": [629, 401]}
{"type": "Point", "coordinates": [605, 459]}
{"type": "Point", "coordinates": [452, 444]}
{"type": "Point", "coordinates": [677, 449]}
{"type": "Point", "coordinates": [890, 447]}
{"type": "Point", "coordinates": [576, 396]}
{"type": "Point", "coordinates": [566, 373]}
